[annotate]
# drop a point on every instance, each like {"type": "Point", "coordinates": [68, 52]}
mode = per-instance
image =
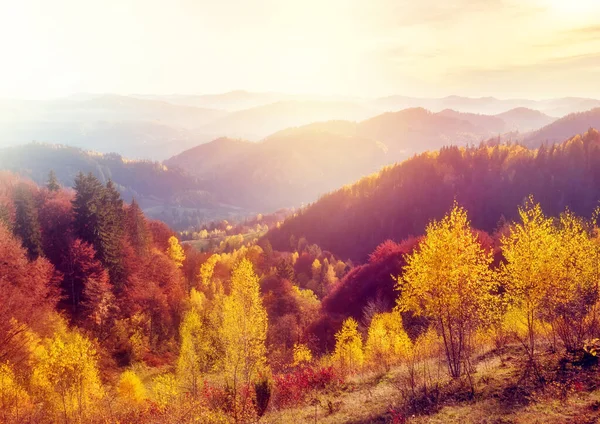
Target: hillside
{"type": "Point", "coordinates": [489, 181]}
{"type": "Point", "coordinates": [284, 170]}
{"type": "Point", "coordinates": [523, 119]}
{"type": "Point", "coordinates": [565, 127]}
{"type": "Point", "coordinates": [163, 193]}
{"type": "Point", "coordinates": [296, 165]}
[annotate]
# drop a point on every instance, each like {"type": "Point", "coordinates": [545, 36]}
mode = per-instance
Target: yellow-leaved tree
{"type": "Point", "coordinates": [348, 355]}
{"type": "Point", "coordinates": [243, 332]}
{"type": "Point", "coordinates": [302, 355]}
{"type": "Point", "coordinates": [576, 290]}
{"type": "Point", "coordinates": [196, 348]}
{"type": "Point", "coordinates": [175, 251]}
{"type": "Point", "coordinates": [14, 400]}
{"type": "Point", "coordinates": [531, 251]}
{"type": "Point", "coordinates": [448, 280]}
{"type": "Point", "coordinates": [130, 388]}
{"type": "Point", "coordinates": [65, 376]}
{"type": "Point", "coordinates": [387, 342]}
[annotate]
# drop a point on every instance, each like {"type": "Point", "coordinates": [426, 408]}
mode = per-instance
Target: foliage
{"type": "Point", "coordinates": [295, 387]}
{"type": "Point", "coordinates": [130, 388]}
{"type": "Point", "coordinates": [65, 375]}
{"type": "Point", "coordinates": [244, 331]}
{"type": "Point", "coordinates": [165, 390]}
{"type": "Point", "coordinates": [531, 250]}
{"type": "Point", "coordinates": [175, 251]}
{"type": "Point", "coordinates": [302, 355]}
{"type": "Point", "coordinates": [448, 280]}
{"type": "Point", "coordinates": [195, 350]}
{"type": "Point", "coordinates": [387, 342]}
{"type": "Point", "coordinates": [348, 356]}
{"type": "Point", "coordinates": [15, 402]}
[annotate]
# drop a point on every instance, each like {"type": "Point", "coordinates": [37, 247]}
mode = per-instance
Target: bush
{"type": "Point", "coordinates": [293, 388]}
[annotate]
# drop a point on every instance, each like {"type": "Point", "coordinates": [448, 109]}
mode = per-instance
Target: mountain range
{"type": "Point", "coordinates": [157, 127]}
{"type": "Point", "coordinates": [232, 177]}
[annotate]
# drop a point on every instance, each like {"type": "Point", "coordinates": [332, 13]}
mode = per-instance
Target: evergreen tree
{"type": "Point", "coordinates": [99, 219]}
{"type": "Point", "coordinates": [110, 231]}
{"type": "Point", "coordinates": [86, 205]}
{"type": "Point", "coordinates": [137, 229]}
{"type": "Point", "coordinates": [52, 184]}
{"type": "Point", "coordinates": [27, 225]}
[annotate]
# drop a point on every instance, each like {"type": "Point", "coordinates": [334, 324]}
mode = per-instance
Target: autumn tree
{"type": "Point", "coordinates": [15, 402]}
{"type": "Point", "coordinates": [575, 290]}
{"type": "Point", "coordinates": [387, 342]}
{"type": "Point", "coordinates": [348, 355]}
{"type": "Point", "coordinates": [130, 388]}
{"type": "Point", "coordinates": [448, 280]}
{"type": "Point", "coordinates": [65, 376]}
{"type": "Point", "coordinates": [531, 251]}
{"type": "Point", "coordinates": [175, 251]}
{"type": "Point", "coordinates": [28, 291]}
{"type": "Point", "coordinates": [244, 331]}
{"type": "Point", "coordinates": [196, 349]}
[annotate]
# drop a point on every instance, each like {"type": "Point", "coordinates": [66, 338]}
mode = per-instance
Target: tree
{"type": "Point", "coordinates": [28, 293]}
{"type": "Point", "coordinates": [65, 374]}
{"type": "Point", "coordinates": [302, 355]}
{"type": "Point", "coordinates": [195, 350]}
{"type": "Point", "coordinates": [27, 225]}
{"type": "Point", "coordinates": [244, 331]}
{"type": "Point", "coordinates": [98, 220]}
{"type": "Point", "coordinates": [14, 400]}
{"type": "Point", "coordinates": [52, 184]}
{"type": "Point", "coordinates": [284, 270]}
{"type": "Point", "coordinates": [448, 280]}
{"type": "Point", "coordinates": [175, 251]}
{"type": "Point", "coordinates": [387, 342]}
{"type": "Point", "coordinates": [576, 292]}
{"type": "Point", "coordinates": [137, 229]}
{"type": "Point", "coordinates": [81, 267]}
{"type": "Point", "coordinates": [531, 251]}
{"type": "Point", "coordinates": [348, 355]}
{"type": "Point", "coordinates": [130, 388]}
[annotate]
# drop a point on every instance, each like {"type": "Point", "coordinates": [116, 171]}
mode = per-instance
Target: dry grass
{"type": "Point", "coordinates": [501, 395]}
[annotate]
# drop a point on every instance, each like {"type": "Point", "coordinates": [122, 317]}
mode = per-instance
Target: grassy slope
{"type": "Point", "coordinates": [501, 396]}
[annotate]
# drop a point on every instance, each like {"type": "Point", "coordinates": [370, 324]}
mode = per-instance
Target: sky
{"type": "Point", "coordinates": [367, 48]}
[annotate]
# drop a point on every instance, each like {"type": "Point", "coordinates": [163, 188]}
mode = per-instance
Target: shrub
{"type": "Point", "coordinates": [293, 388]}
{"type": "Point", "coordinates": [130, 388]}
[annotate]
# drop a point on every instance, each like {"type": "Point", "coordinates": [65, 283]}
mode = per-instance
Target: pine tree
{"type": "Point", "coordinates": [86, 208]}
{"type": "Point", "coordinates": [137, 229]}
{"type": "Point", "coordinates": [52, 184]}
{"type": "Point", "coordinates": [110, 232]}
{"type": "Point", "coordinates": [27, 225]}
{"type": "Point", "coordinates": [99, 219]}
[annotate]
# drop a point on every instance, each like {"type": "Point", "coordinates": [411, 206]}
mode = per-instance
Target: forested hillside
{"type": "Point", "coordinates": [489, 180]}
{"type": "Point", "coordinates": [168, 194]}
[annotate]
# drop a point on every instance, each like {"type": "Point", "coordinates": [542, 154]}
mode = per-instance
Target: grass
{"type": "Point", "coordinates": [571, 394]}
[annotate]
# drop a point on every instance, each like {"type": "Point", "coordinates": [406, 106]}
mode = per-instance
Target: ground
{"type": "Point", "coordinates": [570, 394]}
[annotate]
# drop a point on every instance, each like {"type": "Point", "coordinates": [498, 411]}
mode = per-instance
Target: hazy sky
{"type": "Point", "coordinates": [505, 48]}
